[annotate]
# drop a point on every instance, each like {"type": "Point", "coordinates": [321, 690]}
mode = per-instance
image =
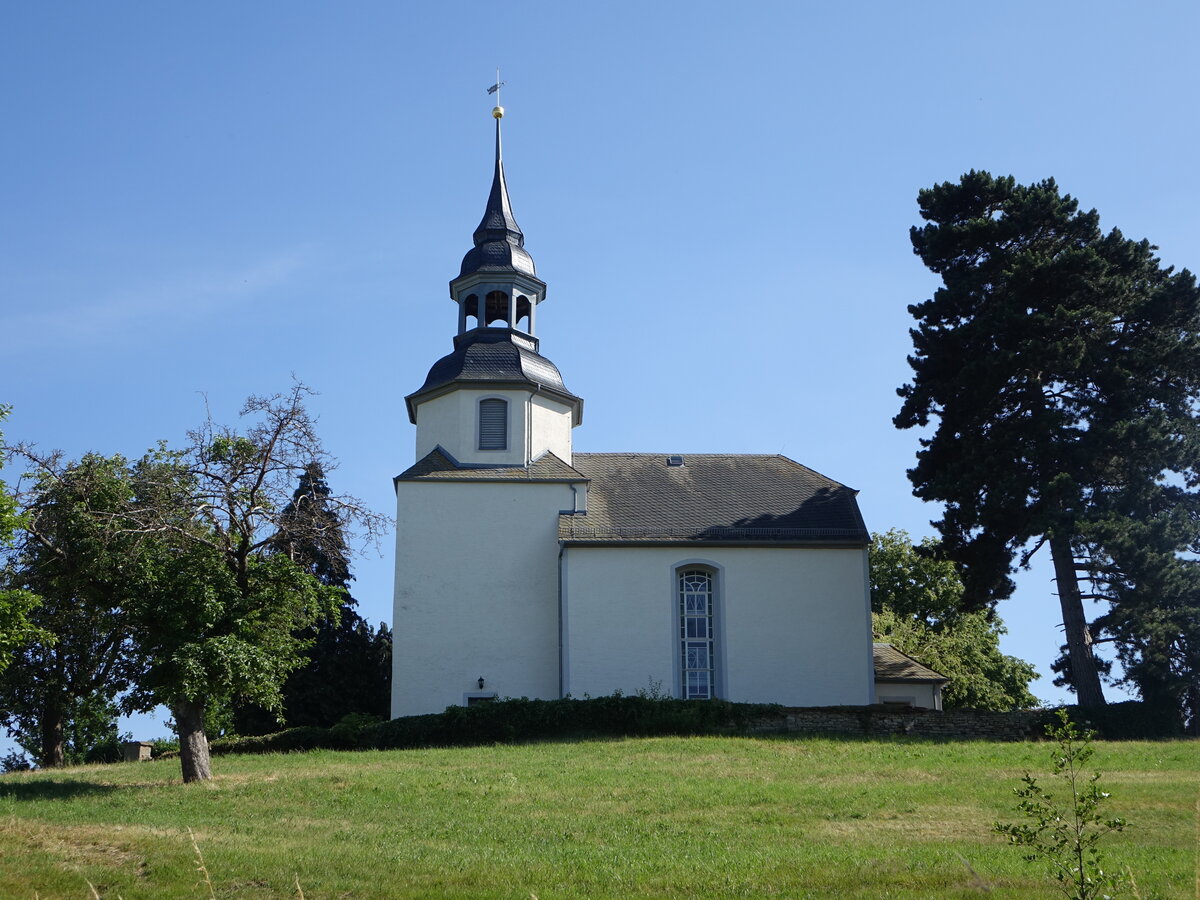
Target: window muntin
{"type": "Point", "coordinates": [697, 650]}
{"type": "Point", "coordinates": [493, 424]}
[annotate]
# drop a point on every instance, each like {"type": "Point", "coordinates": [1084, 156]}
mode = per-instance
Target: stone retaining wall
{"type": "Point", "coordinates": [873, 721]}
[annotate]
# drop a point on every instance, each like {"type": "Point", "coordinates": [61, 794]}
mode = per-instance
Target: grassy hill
{"type": "Point", "coordinates": [650, 817]}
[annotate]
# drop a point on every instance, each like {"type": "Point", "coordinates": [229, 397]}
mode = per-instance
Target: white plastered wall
{"type": "Point", "coordinates": [550, 428]}
{"type": "Point", "coordinates": [476, 592]}
{"type": "Point", "coordinates": [923, 695]}
{"type": "Point", "coordinates": [536, 423]}
{"type": "Point", "coordinates": [793, 624]}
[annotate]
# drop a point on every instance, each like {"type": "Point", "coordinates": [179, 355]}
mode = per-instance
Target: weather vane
{"type": "Point", "coordinates": [498, 112]}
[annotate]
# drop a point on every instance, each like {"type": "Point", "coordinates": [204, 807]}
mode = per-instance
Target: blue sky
{"type": "Point", "coordinates": [197, 201]}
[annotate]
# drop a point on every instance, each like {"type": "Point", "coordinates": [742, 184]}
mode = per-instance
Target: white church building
{"type": "Point", "coordinates": [524, 569]}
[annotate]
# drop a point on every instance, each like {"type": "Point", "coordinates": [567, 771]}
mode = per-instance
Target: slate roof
{"type": "Point", "coordinates": [725, 498]}
{"type": "Point", "coordinates": [493, 356]}
{"type": "Point", "coordinates": [893, 666]}
{"type": "Point", "coordinates": [499, 242]}
{"type": "Point", "coordinates": [438, 466]}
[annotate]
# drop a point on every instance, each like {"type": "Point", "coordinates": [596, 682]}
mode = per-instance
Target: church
{"type": "Point", "coordinates": [524, 569]}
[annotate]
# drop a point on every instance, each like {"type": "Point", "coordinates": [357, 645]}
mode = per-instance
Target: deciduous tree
{"type": "Point", "coordinates": [917, 605]}
{"type": "Point", "coordinates": [221, 615]}
{"type": "Point", "coordinates": [16, 605]}
{"type": "Point", "coordinates": [77, 555]}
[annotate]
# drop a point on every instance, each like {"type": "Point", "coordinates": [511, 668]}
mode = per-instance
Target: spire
{"type": "Point", "coordinates": [499, 242]}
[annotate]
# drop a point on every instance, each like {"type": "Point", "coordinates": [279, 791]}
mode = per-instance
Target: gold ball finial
{"type": "Point", "coordinates": [498, 112]}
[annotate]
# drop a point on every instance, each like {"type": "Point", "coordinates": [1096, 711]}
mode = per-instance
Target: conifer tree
{"type": "Point", "coordinates": [347, 665]}
{"type": "Point", "coordinates": [1060, 365]}
{"type": "Point", "coordinates": [310, 532]}
{"type": "Point", "coordinates": [1136, 562]}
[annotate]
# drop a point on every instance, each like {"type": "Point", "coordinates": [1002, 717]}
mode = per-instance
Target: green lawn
{"type": "Point", "coordinates": [656, 817]}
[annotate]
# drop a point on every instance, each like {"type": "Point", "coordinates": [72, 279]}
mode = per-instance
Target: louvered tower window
{"type": "Point", "coordinates": [493, 424]}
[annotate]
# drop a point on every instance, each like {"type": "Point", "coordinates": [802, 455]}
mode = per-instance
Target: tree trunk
{"type": "Point", "coordinates": [193, 743]}
{"type": "Point", "coordinates": [1084, 677]}
{"type": "Point", "coordinates": [53, 721]}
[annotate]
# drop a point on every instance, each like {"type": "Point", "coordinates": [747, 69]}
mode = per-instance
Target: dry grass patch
{"type": "Point", "coordinates": [81, 845]}
{"type": "Point", "coordinates": [950, 825]}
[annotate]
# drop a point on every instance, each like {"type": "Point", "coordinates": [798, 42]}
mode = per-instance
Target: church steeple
{"type": "Point", "coordinates": [495, 400]}
{"type": "Point", "coordinates": [497, 282]}
{"type": "Point", "coordinates": [499, 241]}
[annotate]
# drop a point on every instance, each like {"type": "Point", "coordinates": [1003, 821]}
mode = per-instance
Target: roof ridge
{"type": "Point", "coordinates": [638, 454]}
{"type": "Point", "coordinates": [685, 454]}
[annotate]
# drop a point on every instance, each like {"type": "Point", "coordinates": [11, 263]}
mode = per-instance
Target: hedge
{"type": "Point", "coordinates": [514, 721]}
{"type": "Point", "coordinates": [525, 720]}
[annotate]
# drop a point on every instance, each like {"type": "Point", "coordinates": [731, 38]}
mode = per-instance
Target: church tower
{"type": "Point", "coordinates": [476, 609]}
{"type": "Point", "coordinates": [495, 400]}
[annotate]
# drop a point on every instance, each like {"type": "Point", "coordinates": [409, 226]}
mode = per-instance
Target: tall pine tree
{"type": "Point", "coordinates": [1154, 619]}
{"type": "Point", "coordinates": [1060, 364]}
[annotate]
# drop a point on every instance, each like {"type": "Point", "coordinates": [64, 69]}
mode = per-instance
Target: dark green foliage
{"type": "Point", "coordinates": [515, 721]}
{"type": "Point", "coordinates": [9, 517]}
{"type": "Point", "coordinates": [346, 666]}
{"type": "Point", "coordinates": [310, 531]}
{"type": "Point", "coordinates": [1065, 833]}
{"type": "Point", "coordinates": [917, 605]}
{"type": "Point", "coordinates": [163, 746]}
{"type": "Point", "coordinates": [1060, 365]}
{"type": "Point", "coordinates": [347, 670]}
{"type": "Point", "coordinates": [1131, 720]}
{"type": "Point", "coordinates": [1154, 618]}
{"type": "Point", "coordinates": [525, 720]}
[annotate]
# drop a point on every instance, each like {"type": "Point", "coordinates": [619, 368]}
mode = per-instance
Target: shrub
{"type": "Point", "coordinates": [1065, 836]}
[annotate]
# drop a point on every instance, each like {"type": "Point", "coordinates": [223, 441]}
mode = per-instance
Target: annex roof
{"type": "Point", "coordinates": [891, 665]}
{"type": "Point", "coordinates": [710, 497]}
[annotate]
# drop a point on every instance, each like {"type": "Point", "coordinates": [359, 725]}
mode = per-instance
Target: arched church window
{"type": "Point", "coordinates": [696, 635]}
{"type": "Point", "coordinates": [493, 424]}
